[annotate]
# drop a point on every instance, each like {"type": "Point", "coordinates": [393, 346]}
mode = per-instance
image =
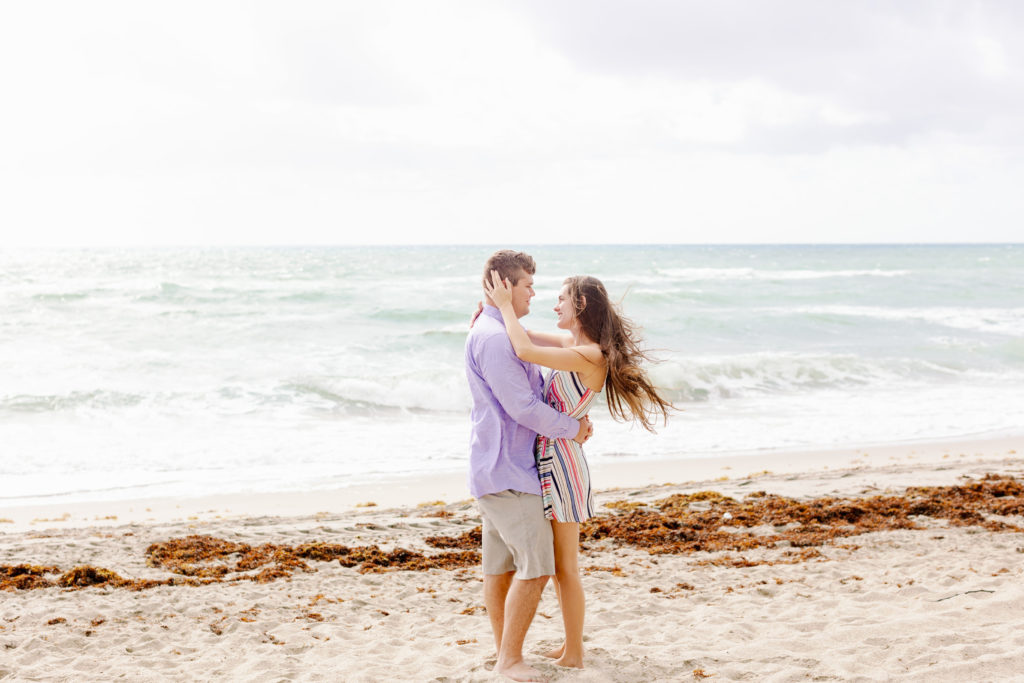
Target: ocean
{"type": "Point", "coordinates": [130, 373]}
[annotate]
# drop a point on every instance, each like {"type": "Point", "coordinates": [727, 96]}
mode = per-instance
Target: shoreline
{"type": "Point", "coordinates": [411, 490]}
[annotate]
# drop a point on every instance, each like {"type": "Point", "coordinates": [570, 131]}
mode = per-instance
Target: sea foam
{"type": "Point", "coordinates": [178, 371]}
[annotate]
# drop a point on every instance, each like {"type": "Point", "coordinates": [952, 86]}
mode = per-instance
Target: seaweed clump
{"type": "Point", "coordinates": [29, 577]}
{"type": "Point", "coordinates": [372, 559]}
{"type": "Point", "coordinates": [709, 521]}
{"type": "Point", "coordinates": [25, 576]}
{"type": "Point", "coordinates": [86, 575]}
{"type": "Point", "coordinates": [208, 557]}
{"type": "Point", "coordinates": [467, 541]}
{"type": "Point", "coordinates": [211, 558]}
{"type": "Point", "coordinates": [197, 560]}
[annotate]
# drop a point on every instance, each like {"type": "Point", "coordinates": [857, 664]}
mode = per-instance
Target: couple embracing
{"type": "Point", "coordinates": [527, 468]}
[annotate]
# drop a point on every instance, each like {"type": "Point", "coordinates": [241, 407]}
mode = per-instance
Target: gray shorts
{"type": "Point", "coordinates": [516, 536]}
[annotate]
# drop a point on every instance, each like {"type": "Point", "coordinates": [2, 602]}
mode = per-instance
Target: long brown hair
{"type": "Point", "coordinates": [629, 391]}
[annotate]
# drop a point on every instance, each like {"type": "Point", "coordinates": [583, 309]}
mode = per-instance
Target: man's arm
{"type": "Point", "coordinates": [508, 382]}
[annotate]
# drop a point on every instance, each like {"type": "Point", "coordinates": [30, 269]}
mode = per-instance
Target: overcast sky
{"type": "Point", "coordinates": [381, 122]}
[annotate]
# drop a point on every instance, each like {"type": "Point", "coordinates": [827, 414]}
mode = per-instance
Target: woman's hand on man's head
{"type": "Point", "coordinates": [500, 291]}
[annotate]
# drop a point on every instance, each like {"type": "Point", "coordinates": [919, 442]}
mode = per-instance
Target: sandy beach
{"type": "Point", "coordinates": [886, 584]}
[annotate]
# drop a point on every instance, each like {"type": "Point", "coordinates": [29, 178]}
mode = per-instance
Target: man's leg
{"type": "Point", "coordinates": [520, 606]}
{"type": "Point", "coordinates": [498, 565]}
{"type": "Point", "coordinates": [516, 537]}
{"type": "Point", "coordinates": [495, 591]}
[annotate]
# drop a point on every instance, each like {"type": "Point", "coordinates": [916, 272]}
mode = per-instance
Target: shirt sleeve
{"type": "Point", "coordinates": [507, 379]}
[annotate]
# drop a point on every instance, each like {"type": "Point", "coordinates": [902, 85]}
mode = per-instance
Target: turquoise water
{"type": "Point", "coordinates": [193, 371]}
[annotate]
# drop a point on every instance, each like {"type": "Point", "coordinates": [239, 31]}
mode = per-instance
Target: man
{"type": "Point", "coordinates": [508, 413]}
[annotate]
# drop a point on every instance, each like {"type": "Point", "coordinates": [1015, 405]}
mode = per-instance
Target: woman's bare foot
{"type": "Point", "coordinates": [556, 653]}
{"type": "Point", "coordinates": [572, 662]}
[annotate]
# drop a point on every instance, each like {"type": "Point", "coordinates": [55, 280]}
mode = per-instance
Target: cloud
{"type": "Point", "coordinates": [242, 122]}
{"type": "Point", "coordinates": [909, 68]}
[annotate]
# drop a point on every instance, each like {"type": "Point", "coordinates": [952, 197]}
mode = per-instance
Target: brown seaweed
{"type": "Point", "coordinates": [207, 559]}
{"type": "Point", "coordinates": [675, 525]}
{"type": "Point", "coordinates": [467, 541]}
{"type": "Point", "coordinates": [25, 576]}
{"type": "Point", "coordinates": [683, 523]}
{"type": "Point", "coordinates": [86, 575]}
{"type": "Point", "coordinates": [198, 556]}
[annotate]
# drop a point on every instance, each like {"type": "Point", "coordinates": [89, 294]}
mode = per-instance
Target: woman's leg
{"type": "Point", "coordinates": [570, 591]}
{"type": "Point", "coordinates": [557, 652]}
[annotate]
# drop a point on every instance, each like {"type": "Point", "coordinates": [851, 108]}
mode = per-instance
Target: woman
{"type": "Point", "coordinates": [600, 351]}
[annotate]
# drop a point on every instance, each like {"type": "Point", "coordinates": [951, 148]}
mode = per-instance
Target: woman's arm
{"type": "Point", "coordinates": [549, 339]}
{"type": "Point", "coordinates": [538, 338]}
{"type": "Point", "coordinates": [572, 358]}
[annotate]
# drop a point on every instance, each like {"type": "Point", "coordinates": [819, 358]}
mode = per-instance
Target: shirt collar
{"type": "Point", "coordinates": [493, 312]}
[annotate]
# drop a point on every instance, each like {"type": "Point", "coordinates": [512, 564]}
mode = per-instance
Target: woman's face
{"type": "Point", "coordinates": [564, 309]}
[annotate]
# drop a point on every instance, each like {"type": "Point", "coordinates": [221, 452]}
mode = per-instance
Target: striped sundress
{"type": "Point", "coordinates": [564, 476]}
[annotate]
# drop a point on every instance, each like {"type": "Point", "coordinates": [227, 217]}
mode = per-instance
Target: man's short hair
{"type": "Point", "coordinates": [509, 263]}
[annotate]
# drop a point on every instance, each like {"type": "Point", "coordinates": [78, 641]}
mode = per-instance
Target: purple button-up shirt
{"type": "Point", "coordinates": [508, 411]}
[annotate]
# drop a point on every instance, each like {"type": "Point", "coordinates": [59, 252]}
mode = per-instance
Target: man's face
{"type": "Point", "coordinates": [522, 292]}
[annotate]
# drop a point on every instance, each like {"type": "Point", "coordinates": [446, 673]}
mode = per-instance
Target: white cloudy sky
{"type": "Point", "coordinates": [495, 122]}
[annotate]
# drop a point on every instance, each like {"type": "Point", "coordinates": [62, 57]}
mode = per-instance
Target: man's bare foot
{"type": "Point", "coordinates": [520, 671]}
{"type": "Point", "coordinates": [556, 653]}
{"type": "Point", "coordinates": [575, 662]}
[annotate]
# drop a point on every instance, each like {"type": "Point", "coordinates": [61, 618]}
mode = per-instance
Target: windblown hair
{"type": "Point", "coordinates": [508, 263]}
{"type": "Point", "coordinates": [628, 389]}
